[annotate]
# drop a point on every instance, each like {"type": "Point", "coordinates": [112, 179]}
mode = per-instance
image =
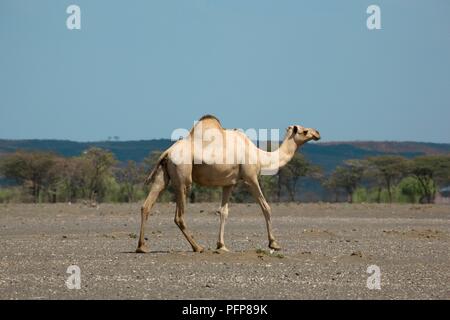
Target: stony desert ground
{"type": "Point", "coordinates": [327, 249]}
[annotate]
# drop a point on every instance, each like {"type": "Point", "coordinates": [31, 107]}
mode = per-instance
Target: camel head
{"type": "Point", "coordinates": [301, 134]}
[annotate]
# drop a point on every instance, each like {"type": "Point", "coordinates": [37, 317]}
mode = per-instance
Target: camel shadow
{"type": "Point", "coordinates": [153, 252]}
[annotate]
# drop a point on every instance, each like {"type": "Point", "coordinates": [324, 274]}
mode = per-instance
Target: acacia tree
{"type": "Point", "coordinates": [349, 176]}
{"type": "Point", "coordinates": [430, 171]}
{"type": "Point", "coordinates": [296, 168]}
{"type": "Point", "coordinates": [330, 183]}
{"type": "Point", "coordinates": [28, 167]}
{"type": "Point", "coordinates": [129, 176]}
{"type": "Point", "coordinates": [375, 179]}
{"type": "Point", "coordinates": [74, 175]}
{"type": "Point", "coordinates": [53, 179]}
{"type": "Point", "coordinates": [387, 171]}
{"type": "Point", "coordinates": [97, 168]}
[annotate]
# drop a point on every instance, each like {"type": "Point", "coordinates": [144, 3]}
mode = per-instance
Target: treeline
{"type": "Point", "coordinates": [96, 176]}
{"type": "Point", "coordinates": [390, 179]}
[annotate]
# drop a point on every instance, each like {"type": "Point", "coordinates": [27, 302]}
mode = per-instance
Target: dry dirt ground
{"type": "Point", "coordinates": [327, 249]}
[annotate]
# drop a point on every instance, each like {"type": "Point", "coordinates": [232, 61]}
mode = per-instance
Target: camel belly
{"type": "Point", "coordinates": [215, 175]}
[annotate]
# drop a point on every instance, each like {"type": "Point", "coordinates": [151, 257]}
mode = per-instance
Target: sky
{"type": "Point", "coordinates": [140, 69]}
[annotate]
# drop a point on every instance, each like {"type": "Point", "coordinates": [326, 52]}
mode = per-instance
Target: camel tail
{"type": "Point", "coordinates": [160, 163]}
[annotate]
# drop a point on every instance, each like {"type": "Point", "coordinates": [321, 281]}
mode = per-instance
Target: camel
{"type": "Point", "coordinates": [200, 158]}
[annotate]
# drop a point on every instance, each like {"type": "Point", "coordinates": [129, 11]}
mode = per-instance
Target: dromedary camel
{"type": "Point", "coordinates": [213, 156]}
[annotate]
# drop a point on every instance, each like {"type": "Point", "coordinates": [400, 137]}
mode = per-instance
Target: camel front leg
{"type": "Point", "coordinates": [267, 211]}
{"type": "Point", "coordinates": [226, 193]}
{"type": "Point", "coordinates": [159, 184]}
{"type": "Point", "coordinates": [179, 219]}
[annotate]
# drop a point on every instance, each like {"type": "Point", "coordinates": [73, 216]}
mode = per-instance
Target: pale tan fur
{"type": "Point", "coordinates": [200, 169]}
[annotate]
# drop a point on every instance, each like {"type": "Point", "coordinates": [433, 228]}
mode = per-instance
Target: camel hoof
{"type": "Point", "coordinates": [221, 249]}
{"type": "Point", "coordinates": [142, 249]}
{"type": "Point", "coordinates": [274, 245]}
{"type": "Point", "coordinates": [199, 249]}
{"type": "Point", "coordinates": [221, 246]}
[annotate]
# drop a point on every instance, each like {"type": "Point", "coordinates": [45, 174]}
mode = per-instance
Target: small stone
{"type": "Point", "coordinates": [357, 254]}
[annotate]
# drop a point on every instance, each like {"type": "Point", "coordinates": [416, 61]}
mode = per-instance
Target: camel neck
{"type": "Point", "coordinates": [280, 157]}
{"type": "Point", "coordinates": [286, 151]}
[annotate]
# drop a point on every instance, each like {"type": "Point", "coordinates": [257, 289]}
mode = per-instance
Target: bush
{"type": "Point", "coordinates": [205, 194]}
{"type": "Point", "coordinates": [10, 194]}
{"type": "Point", "coordinates": [410, 190]}
{"type": "Point", "coordinates": [360, 195]}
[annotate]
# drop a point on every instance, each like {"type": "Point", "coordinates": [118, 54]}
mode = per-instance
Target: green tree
{"type": "Point", "coordinates": [387, 170]}
{"type": "Point", "coordinates": [74, 178]}
{"type": "Point", "coordinates": [53, 179]}
{"type": "Point", "coordinates": [29, 168]}
{"type": "Point", "coordinates": [297, 168]}
{"type": "Point", "coordinates": [129, 176]}
{"type": "Point", "coordinates": [430, 172]}
{"type": "Point", "coordinates": [349, 176]}
{"type": "Point", "coordinates": [98, 164]}
{"type": "Point", "coordinates": [410, 188]}
{"type": "Point", "coordinates": [330, 183]}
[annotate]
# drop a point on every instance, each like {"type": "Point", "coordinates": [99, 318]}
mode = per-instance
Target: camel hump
{"type": "Point", "coordinates": [208, 122]}
{"type": "Point", "coordinates": [209, 116]}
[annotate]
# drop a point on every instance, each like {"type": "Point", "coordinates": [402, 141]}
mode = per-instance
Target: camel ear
{"type": "Point", "coordinates": [295, 129]}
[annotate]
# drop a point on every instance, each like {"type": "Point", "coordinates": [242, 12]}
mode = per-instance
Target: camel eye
{"type": "Point", "coordinates": [305, 132]}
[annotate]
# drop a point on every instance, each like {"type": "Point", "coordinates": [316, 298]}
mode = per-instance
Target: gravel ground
{"type": "Point", "coordinates": [327, 249]}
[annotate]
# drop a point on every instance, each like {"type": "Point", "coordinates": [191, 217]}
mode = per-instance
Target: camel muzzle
{"type": "Point", "coordinates": [316, 135]}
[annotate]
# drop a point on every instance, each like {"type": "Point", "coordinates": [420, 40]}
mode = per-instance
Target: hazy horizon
{"type": "Point", "coordinates": [140, 69]}
{"type": "Point", "coordinates": [168, 138]}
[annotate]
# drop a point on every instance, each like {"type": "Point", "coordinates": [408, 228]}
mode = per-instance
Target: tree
{"type": "Point", "coordinates": [410, 188]}
{"type": "Point", "coordinates": [52, 180]}
{"type": "Point", "coordinates": [330, 183]}
{"type": "Point", "coordinates": [387, 170]}
{"type": "Point", "coordinates": [98, 163]}
{"type": "Point", "coordinates": [74, 177]}
{"type": "Point", "coordinates": [291, 173]}
{"type": "Point", "coordinates": [28, 168]}
{"type": "Point", "coordinates": [349, 176]}
{"type": "Point", "coordinates": [430, 171]}
{"type": "Point", "coordinates": [129, 176]}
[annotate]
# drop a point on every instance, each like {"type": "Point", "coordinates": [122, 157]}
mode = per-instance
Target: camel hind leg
{"type": "Point", "coordinates": [179, 219]}
{"type": "Point", "coordinates": [160, 182]}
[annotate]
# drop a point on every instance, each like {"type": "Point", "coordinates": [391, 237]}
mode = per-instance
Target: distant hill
{"type": "Point", "coordinates": [123, 150]}
{"type": "Point", "coordinates": [407, 147]}
{"type": "Point", "coordinates": [326, 154]}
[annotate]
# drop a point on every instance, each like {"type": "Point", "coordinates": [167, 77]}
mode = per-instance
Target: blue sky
{"type": "Point", "coordinates": [139, 69]}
